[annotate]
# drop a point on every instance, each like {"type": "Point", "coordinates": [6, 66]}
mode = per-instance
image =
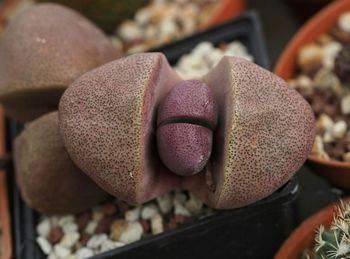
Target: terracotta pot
{"type": "Point", "coordinates": [338, 173]}
{"type": "Point", "coordinates": [225, 11]}
{"type": "Point", "coordinates": [5, 221]}
{"type": "Point", "coordinates": [303, 236]}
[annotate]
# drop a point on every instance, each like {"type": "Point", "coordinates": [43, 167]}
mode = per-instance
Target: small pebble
{"type": "Point", "coordinates": [149, 211]}
{"type": "Point", "coordinates": [194, 205]}
{"type": "Point", "coordinates": [328, 137]}
{"type": "Point", "coordinates": [132, 233]}
{"type": "Point", "coordinates": [61, 251]}
{"type": "Point", "coordinates": [70, 227]}
{"type": "Point", "coordinates": [346, 157]}
{"type": "Point", "coordinates": [70, 239]}
{"type": "Point", "coordinates": [97, 215]}
{"type": "Point", "coordinates": [324, 122]}
{"type": "Point", "coordinates": [84, 253]}
{"type": "Point", "coordinates": [117, 228]}
{"type": "Point", "coordinates": [133, 215]}
{"type": "Point", "coordinates": [304, 82]}
{"type": "Point", "coordinates": [344, 22]}
{"type": "Point", "coordinates": [339, 129]}
{"type": "Point", "coordinates": [165, 203]}
{"type": "Point", "coordinates": [91, 227]}
{"type": "Point", "coordinates": [55, 235]}
{"type": "Point", "coordinates": [52, 256]}
{"type": "Point", "coordinates": [43, 228]}
{"type": "Point", "coordinates": [66, 219]}
{"type": "Point", "coordinates": [310, 58]}
{"type": "Point", "coordinates": [169, 27]}
{"type": "Point", "coordinates": [143, 16]}
{"type": "Point", "coordinates": [96, 241]}
{"type": "Point", "coordinates": [325, 78]}
{"type": "Point", "coordinates": [129, 31]}
{"type": "Point", "coordinates": [54, 220]}
{"type": "Point", "coordinates": [345, 104]}
{"type": "Point", "coordinates": [318, 148]}
{"type": "Point", "coordinates": [157, 224]}
{"type": "Point", "coordinates": [330, 50]}
{"type": "Point", "coordinates": [179, 209]}
{"type": "Point", "coordinates": [109, 245]}
{"type": "Point", "coordinates": [44, 244]}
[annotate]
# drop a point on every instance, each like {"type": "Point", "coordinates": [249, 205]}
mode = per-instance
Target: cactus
{"type": "Point", "coordinates": [333, 243]}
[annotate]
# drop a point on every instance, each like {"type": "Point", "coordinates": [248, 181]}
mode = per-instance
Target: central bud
{"type": "Point", "coordinates": [186, 120]}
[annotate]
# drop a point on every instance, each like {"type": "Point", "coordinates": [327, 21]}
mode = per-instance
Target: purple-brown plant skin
{"type": "Point", "coordinates": [42, 50]}
{"type": "Point", "coordinates": [186, 119]}
{"type": "Point", "coordinates": [47, 178]}
{"type": "Point", "coordinates": [257, 135]}
{"type": "Point", "coordinates": [108, 124]}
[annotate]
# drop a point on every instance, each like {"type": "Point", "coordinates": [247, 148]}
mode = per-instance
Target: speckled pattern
{"type": "Point", "coordinates": [265, 133]}
{"type": "Point", "coordinates": [190, 99]}
{"type": "Point", "coordinates": [47, 178]}
{"type": "Point", "coordinates": [42, 51]}
{"type": "Point", "coordinates": [108, 123]}
{"type": "Point", "coordinates": [186, 118]}
{"type": "Point", "coordinates": [183, 147]}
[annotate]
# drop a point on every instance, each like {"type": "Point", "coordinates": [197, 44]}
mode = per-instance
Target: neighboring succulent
{"type": "Point", "coordinates": [342, 64]}
{"type": "Point", "coordinates": [42, 51]}
{"type": "Point", "coordinates": [107, 14]}
{"type": "Point", "coordinates": [251, 130]}
{"type": "Point", "coordinates": [47, 178]}
{"type": "Point", "coordinates": [333, 243]}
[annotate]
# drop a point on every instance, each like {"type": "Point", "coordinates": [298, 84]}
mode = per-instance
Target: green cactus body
{"type": "Point", "coordinates": [107, 14]}
{"type": "Point", "coordinates": [334, 243]}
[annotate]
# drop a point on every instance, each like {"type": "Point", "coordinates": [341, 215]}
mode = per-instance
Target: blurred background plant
{"type": "Point", "coordinates": [333, 242]}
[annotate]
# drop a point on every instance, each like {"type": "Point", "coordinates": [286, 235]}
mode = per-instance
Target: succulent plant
{"type": "Point", "coordinates": [135, 127]}
{"type": "Point", "coordinates": [44, 49]}
{"type": "Point", "coordinates": [251, 130]}
{"type": "Point", "coordinates": [48, 179]}
{"type": "Point", "coordinates": [333, 243]}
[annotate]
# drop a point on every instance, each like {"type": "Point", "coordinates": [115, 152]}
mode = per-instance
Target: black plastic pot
{"type": "Point", "coordinates": [255, 231]}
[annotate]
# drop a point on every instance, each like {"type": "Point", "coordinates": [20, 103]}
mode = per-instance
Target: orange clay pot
{"type": "Point", "coordinates": [225, 11]}
{"type": "Point", "coordinates": [337, 173]}
{"type": "Point", "coordinates": [5, 221]}
{"type": "Point", "coordinates": [303, 236]}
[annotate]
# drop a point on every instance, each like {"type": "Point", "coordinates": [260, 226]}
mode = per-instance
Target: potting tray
{"type": "Point", "coordinates": [255, 231]}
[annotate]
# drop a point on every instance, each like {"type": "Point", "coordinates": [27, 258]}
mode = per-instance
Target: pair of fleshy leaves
{"type": "Point", "coordinates": [107, 119]}
{"type": "Point", "coordinates": [263, 135]}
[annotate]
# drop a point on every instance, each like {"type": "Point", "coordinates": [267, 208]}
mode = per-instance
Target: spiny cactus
{"type": "Point", "coordinates": [334, 243]}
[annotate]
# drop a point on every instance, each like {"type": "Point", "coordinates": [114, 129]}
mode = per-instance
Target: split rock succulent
{"type": "Point", "coordinates": [261, 133]}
